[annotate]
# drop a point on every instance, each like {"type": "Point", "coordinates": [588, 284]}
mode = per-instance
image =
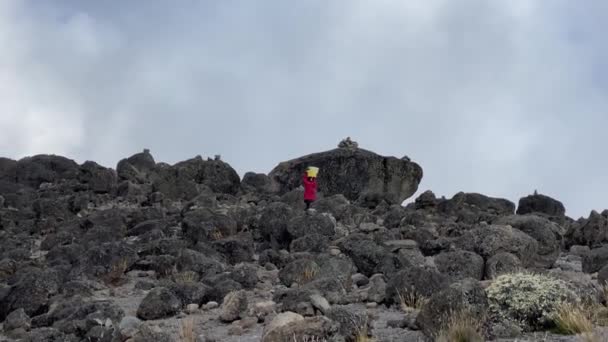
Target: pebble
{"type": "Point", "coordinates": [334, 252]}
{"type": "Point", "coordinates": [371, 305]}
{"type": "Point", "coordinates": [192, 308]}
{"type": "Point", "coordinates": [210, 306]}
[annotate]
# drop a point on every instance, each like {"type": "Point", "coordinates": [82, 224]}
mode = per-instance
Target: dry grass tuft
{"type": "Point", "coordinates": [217, 235]}
{"type": "Point", "coordinates": [116, 273]}
{"type": "Point", "coordinates": [410, 299]}
{"type": "Point", "coordinates": [461, 327]}
{"type": "Point", "coordinates": [187, 330]}
{"type": "Point", "coordinates": [308, 339]}
{"type": "Point", "coordinates": [573, 319]}
{"type": "Point", "coordinates": [187, 277]}
{"type": "Point", "coordinates": [308, 274]}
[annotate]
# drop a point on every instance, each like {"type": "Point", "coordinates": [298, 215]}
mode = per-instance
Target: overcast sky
{"type": "Point", "coordinates": [497, 97]}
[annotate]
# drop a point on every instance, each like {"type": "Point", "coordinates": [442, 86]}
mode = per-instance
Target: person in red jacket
{"type": "Point", "coordinates": [310, 189]}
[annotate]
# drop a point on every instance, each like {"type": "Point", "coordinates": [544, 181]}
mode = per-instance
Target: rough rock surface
{"type": "Point", "coordinates": [154, 252]}
{"type": "Point", "coordinates": [353, 173]}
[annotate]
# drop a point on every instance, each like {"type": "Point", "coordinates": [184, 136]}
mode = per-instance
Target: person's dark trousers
{"type": "Point", "coordinates": [308, 202]}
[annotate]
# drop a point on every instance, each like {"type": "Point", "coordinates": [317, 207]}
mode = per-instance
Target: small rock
{"type": "Point", "coordinates": [210, 306]}
{"type": "Point", "coordinates": [320, 303]}
{"type": "Point", "coordinates": [192, 308]}
{"type": "Point", "coordinates": [247, 323]}
{"type": "Point", "coordinates": [360, 279]}
{"type": "Point", "coordinates": [369, 227]}
{"type": "Point", "coordinates": [371, 305]}
{"type": "Point", "coordinates": [234, 306]}
{"type": "Point", "coordinates": [396, 324]}
{"type": "Point", "coordinates": [159, 303]}
{"type": "Point", "coordinates": [235, 330]}
{"type": "Point", "coordinates": [129, 326]}
{"type": "Point", "coordinates": [17, 319]}
{"type": "Point", "coordinates": [262, 309]}
{"type": "Point", "coordinates": [377, 289]}
{"type": "Point", "coordinates": [270, 266]}
{"type": "Point", "coordinates": [334, 251]}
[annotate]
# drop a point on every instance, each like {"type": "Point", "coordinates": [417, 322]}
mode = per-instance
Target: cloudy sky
{"type": "Point", "coordinates": [498, 97]}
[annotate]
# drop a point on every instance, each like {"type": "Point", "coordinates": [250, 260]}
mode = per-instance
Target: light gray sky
{"type": "Point", "coordinates": [498, 97]}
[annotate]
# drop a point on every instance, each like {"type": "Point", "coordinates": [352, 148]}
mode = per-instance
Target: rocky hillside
{"type": "Point", "coordinates": [191, 252]}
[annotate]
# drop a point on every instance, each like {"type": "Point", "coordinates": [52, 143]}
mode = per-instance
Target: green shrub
{"type": "Point", "coordinates": [527, 298]}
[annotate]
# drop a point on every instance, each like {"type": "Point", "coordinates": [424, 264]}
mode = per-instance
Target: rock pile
{"type": "Point", "coordinates": [151, 251]}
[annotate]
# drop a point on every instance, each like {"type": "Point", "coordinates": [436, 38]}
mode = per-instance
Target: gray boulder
{"type": "Point", "coordinates": [206, 225]}
{"type": "Point", "coordinates": [368, 256]}
{"type": "Point", "coordinates": [159, 303]}
{"type": "Point", "coordinates": [293, 327]}
{"type": "Point", "coordinates": [502, 263]}
{"type": "Point", "coordinates": [17, 319]}
{"type": "Point", "coordinates": [592, 232]}
{"type": "Point", "coordinates": [416, 281]}
{"type": "Point", "coordinates": [353, 173]}
{"type": "Point", "coordinates": [38, 169]}
{"type": "Point", "coordinates": [31, 292]}
{"type": "Point", "coordinates": [489, 240]}
{"type": "Point", "coordinates": [543, 204]}
{"type": "Point", "coordinates": [259, 183]}
{"type": "Point", "coordinates": [305, 224]}
{"type": "Point", "coordinates": [595, 259]}
{"type": "Point", "coordinates": [458, 265]}
{"type": "Point", "coordinates": [548, 235]}
{"type": "Point", "coordinates": [466, 295]}
{"type": "Point", "coordinates": [234, 306]}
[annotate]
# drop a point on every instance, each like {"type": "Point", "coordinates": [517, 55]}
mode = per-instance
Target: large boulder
{"type": "Point", "coordinates": [458, 265]}
{"type": "Point", "coordinates": [368, 256]}
{"type": "Point", "coordinates": [215, 174]}
{"type": "Point", "coordinates": [32, 291]}
{"type": "Point", "coordinates": [98, 178]}
{"type": "Point", "coordinates": [466, 296]}
{"type": "Point", "coordinates": [353, 172]}
{"type": "Point", "coordinates": [136, 168]}
{"type": "Point", "coordinates": [543, 204]}
{"type": "Point", "coordinates": [592, 232]}
{"type": "Point", "coordinates": [289, 326]}
{"type": "Point", "coordinates": [474, 207]}
{"type": "Point", "coordinates": [305, 224]}
{"type": "Point", "coordinates": [8, 169]}
{"type": "Point", "coordinates": [489, 240]}
{"type": "Point", "coordinates": [203, 225]}
{"type": "Point", "coordinates": [595, 259]}
{"type": "Point", "coordinates": [548, 235]}
{"type": "Point", "coordinates": [274, 222]}
{"type": "Point", "coordinates": [159, 303]}
{"type": "Point", "coordinates": [258, 182]}
{"type": "Point", "coordinates": [414, 282]}
{"type": "Point", "coordinates": [33, 171]}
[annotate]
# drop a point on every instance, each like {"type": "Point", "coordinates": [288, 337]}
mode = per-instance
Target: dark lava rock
{"type": "Point", "coordinates": [159, 303]}
{"type": "Point", "coordinates": [353, 173]}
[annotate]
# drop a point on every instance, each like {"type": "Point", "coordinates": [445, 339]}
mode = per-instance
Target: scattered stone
{"type": "Point", "coordinates": [192, 308]}
{"type": "Point", "coordinates": [320, 303]}
{"type": "Point", "coordinates": [263, 309]}
{"type": "Point", "coordinates": [210, 306]}
{"type": "Point", "coordinates": [17, 319]}
{"type": "Point", "coordinates": [159, 303]}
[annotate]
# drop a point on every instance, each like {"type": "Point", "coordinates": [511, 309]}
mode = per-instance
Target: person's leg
{"type": "Point", "coordinates": [307, 204]}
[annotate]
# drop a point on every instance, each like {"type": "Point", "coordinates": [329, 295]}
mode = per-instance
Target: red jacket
{"type": "Point", "coordinates": [310, 188]}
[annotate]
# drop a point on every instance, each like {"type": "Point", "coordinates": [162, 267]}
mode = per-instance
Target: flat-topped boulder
{"type": "Point", "coordinates": [355, 173]}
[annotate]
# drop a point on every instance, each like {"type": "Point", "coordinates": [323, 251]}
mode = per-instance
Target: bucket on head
{"type": "Point", "coordinates": [312, 171]}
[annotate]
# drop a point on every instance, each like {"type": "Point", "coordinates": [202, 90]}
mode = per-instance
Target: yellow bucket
{"type": "Point", "coordinates": [312, 171]}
